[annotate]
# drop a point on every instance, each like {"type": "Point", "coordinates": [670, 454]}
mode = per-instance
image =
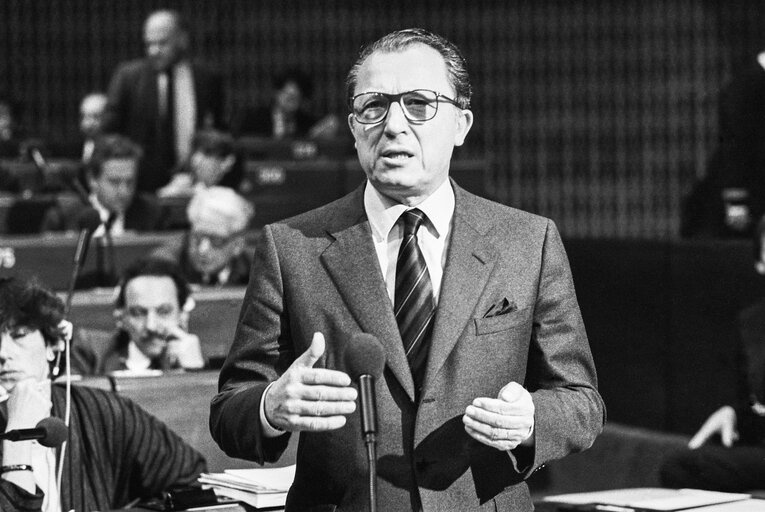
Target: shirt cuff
{"type": "Point", "coordinates": [268, 429]}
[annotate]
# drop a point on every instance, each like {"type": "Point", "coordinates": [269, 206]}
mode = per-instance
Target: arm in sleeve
{"type": "Point", "coordinates": [262, 350]}
{"type": "Point", "coordinates": [13, 497]}
{"type": "Point", "coordinates": [569, 412]}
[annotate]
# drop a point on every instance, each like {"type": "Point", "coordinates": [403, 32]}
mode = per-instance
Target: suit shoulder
{"type": "Point", "coordinates": [132, 67]}
{"type": "Point", "coordinates": [336, 215]}
{"type": "Point", "coordinates": [501, 216]}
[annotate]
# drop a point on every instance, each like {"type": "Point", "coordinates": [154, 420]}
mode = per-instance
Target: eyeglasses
{"type": "Point", "coordinates": [418, 106]}
{"type": "Point", "coordinates": [216, 241]}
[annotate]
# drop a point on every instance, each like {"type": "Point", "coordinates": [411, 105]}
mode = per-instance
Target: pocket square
{"type": "Point", "coordinates": [500, 308]}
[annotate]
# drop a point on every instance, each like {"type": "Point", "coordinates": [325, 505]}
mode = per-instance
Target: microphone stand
{"type": "Point", "coordinates": [369, 428]}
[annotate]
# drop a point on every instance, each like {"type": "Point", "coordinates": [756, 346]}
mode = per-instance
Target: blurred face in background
{"type": "Point", "coordinates": [208, 168]}
{"type": "Point", "coordinates": [151, 312]}
{"type": "Point", "coordinates": [115, 186]}
{"type": "Point", "coordinates": [6, 122]}
{"type": "Point", "coordinates": [23, 355]}
{"type": "Point", "coordinates": [213, 241]}
{"type": "Point", "coordinates": [92, 115]}
{"type": "Point", "coordinates": [289, 97]}
{"type": "Point", "coordinates": [164, 40]}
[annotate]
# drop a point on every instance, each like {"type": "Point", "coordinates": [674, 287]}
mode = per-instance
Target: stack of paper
{"type": "Point", "coordinates": [259, 487]}
{"type": "Point", "coordinates": [650, 498]}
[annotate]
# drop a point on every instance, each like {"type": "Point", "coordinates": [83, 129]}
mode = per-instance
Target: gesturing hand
{"type": "Point", "coordinates": [722, 422]}
{"type": "Point", "coordinates": [503, 422]}
{"type": "Point", "coordinates": [308, 398]}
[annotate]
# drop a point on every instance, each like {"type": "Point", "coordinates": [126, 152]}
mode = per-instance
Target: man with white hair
{"type": "Point", "coordinates": [213, 251]}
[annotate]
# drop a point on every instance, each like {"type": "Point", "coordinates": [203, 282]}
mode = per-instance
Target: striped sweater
{"type": "Point", "coordinates": [116, 452]}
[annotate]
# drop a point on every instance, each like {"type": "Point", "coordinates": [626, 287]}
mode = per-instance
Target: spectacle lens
{"type": "Point", "coordinates": [418, 106]}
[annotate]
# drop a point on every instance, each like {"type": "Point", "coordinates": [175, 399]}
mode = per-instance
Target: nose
{"type": "Point", "coordinates": [5, 344]}
{"type": "Point", "coordinates": [396, 122]}
{"type": "Point", "coordinates": [204, 245]}
{"type": "Point", "coordinates": [152, 322]}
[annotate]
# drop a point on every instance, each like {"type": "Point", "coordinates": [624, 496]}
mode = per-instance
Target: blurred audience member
{"type": "Point", "coordinates": [152, 313]}
{"type": "Point", "coordinates": [161, 100]}
{"type": "Point", "coordinates": [287, 116]}
{"type": "Point", "coordinates": [213, 252]}
{"type": "Point", "coordinates": [111, 174]}
{"type": "Point", "coordinates": [728, 451]}
{"type": "Point", "coordinates": [92, 110]}
{"type": "Point", "coordinates": [10, 142]}
{"type": "Point", "coordinates": [214, 161]}
{"type": "Point", "coordinates": [116, 452]}
{"type": "Point", "coordinates": [730, 199]}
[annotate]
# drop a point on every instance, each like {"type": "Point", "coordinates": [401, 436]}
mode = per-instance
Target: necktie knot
{"type": "Point", "coordinates": [413, 219]}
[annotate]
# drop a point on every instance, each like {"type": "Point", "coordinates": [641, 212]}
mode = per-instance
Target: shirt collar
{"type": "Point", "coordinates": [383, 212]}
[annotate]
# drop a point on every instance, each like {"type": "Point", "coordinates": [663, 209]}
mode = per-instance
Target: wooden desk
{"type": "Point", "coordinates": [182, 401]}
{"type": "Point", "coordinates": [49, 257]}
{"type": "Point", "coordinates": [213, 319]}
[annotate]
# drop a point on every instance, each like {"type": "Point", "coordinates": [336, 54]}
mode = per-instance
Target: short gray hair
{"type": "Point", "coordinates": [234, 210]}
{"type": "Point", "coordinates": [400, 40]}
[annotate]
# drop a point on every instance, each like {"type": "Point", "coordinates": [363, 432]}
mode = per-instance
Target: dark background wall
{"type": "Point", "coordinates": [598, 114]}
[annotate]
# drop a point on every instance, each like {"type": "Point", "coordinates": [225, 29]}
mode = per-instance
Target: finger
{"type": "Point", "coordinates": [726, 436]}
{"type": "Point", "coordinates": [491, 440]}
{"type": "Point", "coordinates": [324, 393]}
{"type": "Point", "coordinates": [324, 376]}
{"type": "Point", "coordinates": [511, 392]}
{"type": "Point", "coordinates": [314, 352]}
{"type": "Point", "coordinates": [699, 439]}
{"type": "Point", "coordinates": [500, 407]}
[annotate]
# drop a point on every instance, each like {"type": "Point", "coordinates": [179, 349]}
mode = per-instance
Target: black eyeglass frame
{"type": "Point", "coordinates": [397, 98]}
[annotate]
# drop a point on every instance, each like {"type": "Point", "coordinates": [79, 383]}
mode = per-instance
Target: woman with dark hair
{"type": "Point", "coordinates": [115, 452]}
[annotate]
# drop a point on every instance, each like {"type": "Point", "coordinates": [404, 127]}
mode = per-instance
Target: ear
{"type": "Point", "coordinates": [352, 126]}
{"type": "Point", "coordinates": [464, 123]}
{"type": "Point", "coordinates": [186, 310]}
{"type": "Point", "coordinates": [119, 317]}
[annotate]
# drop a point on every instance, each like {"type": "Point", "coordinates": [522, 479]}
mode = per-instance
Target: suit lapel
{"type": "Point", "coordinates": [469, 263]}
{"type": "Point", "coordinates": [352, 263]}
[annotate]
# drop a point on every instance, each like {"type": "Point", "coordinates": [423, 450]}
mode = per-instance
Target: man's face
{"type": "Point", "coordinates": [210, 169]}
{"type": "Point", "coordinates": [405, 160]}
{"type": "Point", "coordinates": [165, 43]}
{"type": "Point", "coordinates": [289, 97]}
{"type": "Point", "coordinates": [92, 115]}
{"type": "Point", "coordinates": [115, 187]}
{"type": "Point", "coordinates": [151, 312]}
{"type": "Point", "coordinates": [22, 356]}
{"type": "Point", "coordinates": [213, 242]}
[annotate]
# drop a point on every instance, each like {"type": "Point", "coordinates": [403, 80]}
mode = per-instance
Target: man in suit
{"type": "Point", "coordinates": [727, 453]}
{"type": "Point", "coordinates": [151, 315]}
{"type": "Point", "coordinates": [161, 100]}
{"type": "Point", "coordinates": [111, 175]}
{"type": "Point", "coordinates": [496, 377]}
{"type": "Point", "coordinates": [92, 108]}
{"type": "Point", "coordinates": [214, 250]}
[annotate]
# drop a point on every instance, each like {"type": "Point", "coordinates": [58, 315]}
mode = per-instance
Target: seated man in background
{"type": "Point", "coordinates": [151, 313]}
{"type": "Point", "coordinates": [213, 252]}
{"type": "Point", "coordinates": [728, 451]}
{"type": "Point", "coordinates": [116, 452]}
{"type": "Point", "coordinates": [111, 175]}
{"type": "Point", "coordinates": [214, 161]}
{"type": "Point", "coordinates": [92, 110]}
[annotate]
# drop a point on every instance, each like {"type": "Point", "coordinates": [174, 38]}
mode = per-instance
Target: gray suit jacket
{"type": "Point", "coordinates": [319, 272]}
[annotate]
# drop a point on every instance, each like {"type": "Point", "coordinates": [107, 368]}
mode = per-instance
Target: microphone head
{"type": "Point", "coordinates": [55, 431]}
{"type": "Point", "coordinates": [89, 219]}
{"type": "Point", "coordinates": [364, 355]}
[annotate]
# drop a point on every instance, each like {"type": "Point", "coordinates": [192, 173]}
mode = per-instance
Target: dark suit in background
{"type": "Point", "coordinates": [739, 468]}
{"type": "Point", "coordinates": [143, 214]}
{"type": "Point", "coordinates": [133, 111]}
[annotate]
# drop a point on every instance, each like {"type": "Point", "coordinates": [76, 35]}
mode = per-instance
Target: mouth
{"type": "Point", "coordinates": [396, 155]}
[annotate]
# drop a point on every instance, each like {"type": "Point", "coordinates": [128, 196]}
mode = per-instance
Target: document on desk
{"type": "Point", "coordinates": [259, 487]}
{"type": "Point", "coordinates": [650, 499]}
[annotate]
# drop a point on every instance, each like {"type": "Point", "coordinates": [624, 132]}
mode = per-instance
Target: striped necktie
{"type": "Point", "coordinates": [414, 305]}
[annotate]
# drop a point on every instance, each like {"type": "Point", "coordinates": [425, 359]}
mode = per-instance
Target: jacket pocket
{"type": "Point", "coordinates": [499, 323]}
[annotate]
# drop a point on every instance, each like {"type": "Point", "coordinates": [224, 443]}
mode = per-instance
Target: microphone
{"type": "Point", "coordinates": [50, 432]}
{"type": "Point", "coordinates": [364, 359]}
{"type": "Point", "coordinates": [88, 222]}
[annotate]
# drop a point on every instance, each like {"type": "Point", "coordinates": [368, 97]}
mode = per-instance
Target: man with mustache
{"type": "Point", "coordinates": [151, 314]}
